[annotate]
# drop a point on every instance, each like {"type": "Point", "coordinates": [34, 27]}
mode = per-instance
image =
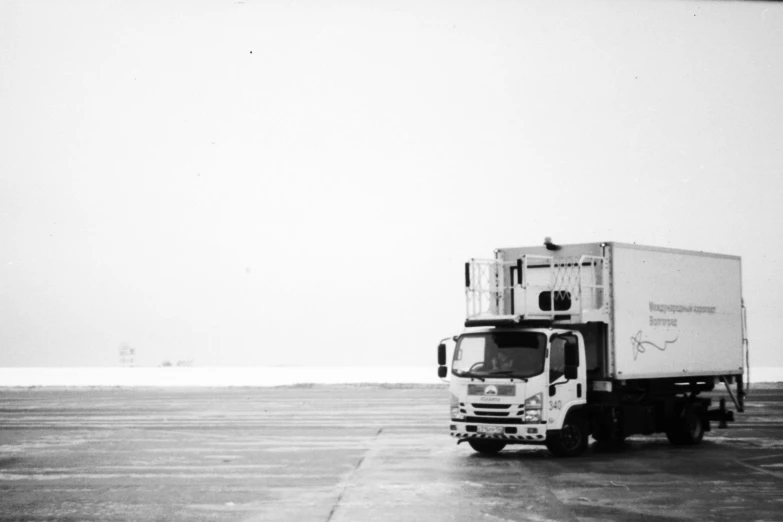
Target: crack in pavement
{"type": "Point", "coordinates": [343, 486]}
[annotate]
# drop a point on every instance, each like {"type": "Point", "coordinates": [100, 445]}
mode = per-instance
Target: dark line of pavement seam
{"type": "Point", "coordinates": [345, 480]}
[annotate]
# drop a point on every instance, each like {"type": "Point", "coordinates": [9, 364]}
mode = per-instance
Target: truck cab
{"type": "Point", "coordinates": [519, 386]}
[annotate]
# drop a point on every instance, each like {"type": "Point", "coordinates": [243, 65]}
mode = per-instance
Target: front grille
{"type": "Point", "coordinates": [492, 413]}
{"type": "Point", "coordinates": [505, 390]}
{"type": "Point", "coordinates": [493, 420]}
{"type": "Point", "coordinates": [491, 406]}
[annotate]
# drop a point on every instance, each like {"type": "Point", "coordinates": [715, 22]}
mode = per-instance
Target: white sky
{"type": "Point", "coordinates": [301, 182]}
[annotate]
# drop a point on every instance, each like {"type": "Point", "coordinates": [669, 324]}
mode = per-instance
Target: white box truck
{"type": "Point", "coordinates": [607, 340]}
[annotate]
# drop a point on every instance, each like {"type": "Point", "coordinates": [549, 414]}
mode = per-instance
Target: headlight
{"type": "Point", "coordinates": [456, 414]}
{"type": "Point", "coordinates": [534, 402]}
{"type": "Point", "coordinates": [532, 416]}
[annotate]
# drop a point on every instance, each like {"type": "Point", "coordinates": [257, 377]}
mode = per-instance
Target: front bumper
{"type": "Point", "coordinates": [517, 433]}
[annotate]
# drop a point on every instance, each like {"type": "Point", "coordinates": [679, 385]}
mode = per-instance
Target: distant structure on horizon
{"type": "Point", "coordinates": [179, 364]}
{"type": "Point", "coordinates": [127, 356]}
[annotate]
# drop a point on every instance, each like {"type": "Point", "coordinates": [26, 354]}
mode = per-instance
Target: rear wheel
{"type": "Point", "coordinates": [571, 440]}
{"type": "Point", "coordinates": [686, 429]}
{"type": "Point", "coordinates": [488, 447]}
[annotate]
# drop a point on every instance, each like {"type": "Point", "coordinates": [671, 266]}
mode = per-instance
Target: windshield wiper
{"type": "Point", "coordinates": [508, 372]}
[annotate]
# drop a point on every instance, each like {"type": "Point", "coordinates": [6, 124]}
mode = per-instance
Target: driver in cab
{"type": "Point", "coordinates": [502, 361]}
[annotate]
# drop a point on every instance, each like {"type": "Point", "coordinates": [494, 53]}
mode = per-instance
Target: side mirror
{"type": "Point", "coordinates": [442, 372]}
{"type": "Point", "coordinates": [441, 354]}
{"type": "Point", "coordinates": [571, 372]}
{"type": "Point", "coordinates": [571, 354]}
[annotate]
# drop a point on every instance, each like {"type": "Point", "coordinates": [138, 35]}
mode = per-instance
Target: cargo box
{"type": "Point", "coordinates": [645, 312]}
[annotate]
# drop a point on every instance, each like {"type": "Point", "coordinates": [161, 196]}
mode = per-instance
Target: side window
{"type": "Point", "coordinates": [562, 301]}
{"type": "Point", "coordinates": [557, 359]}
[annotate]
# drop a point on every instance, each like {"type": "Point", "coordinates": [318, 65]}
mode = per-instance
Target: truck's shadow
{"type": "Point", "coordinates": [601, 451]}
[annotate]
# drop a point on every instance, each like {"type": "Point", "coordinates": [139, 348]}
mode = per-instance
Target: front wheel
{"type": "Point", "coordinates": [571, 440]}
{"type": "Point", "coordinates": [488, 447]}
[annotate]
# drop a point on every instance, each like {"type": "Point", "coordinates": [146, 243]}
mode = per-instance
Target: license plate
{"type": "Point", "coordinates": [491, 430]}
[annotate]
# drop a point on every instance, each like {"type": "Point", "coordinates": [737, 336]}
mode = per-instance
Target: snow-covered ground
{"type": "Point", "coordinates": [258, 376]}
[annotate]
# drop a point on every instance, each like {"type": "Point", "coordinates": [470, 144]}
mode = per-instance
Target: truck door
{"type": "Point", "coordinates": [565, 392]}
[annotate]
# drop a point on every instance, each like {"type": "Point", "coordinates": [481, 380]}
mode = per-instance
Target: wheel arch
{"type": "Point", "coordinates": [575, 409]}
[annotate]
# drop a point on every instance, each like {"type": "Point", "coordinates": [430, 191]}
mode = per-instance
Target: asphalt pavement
{"type": "Point", "coordinates": [353, 453]}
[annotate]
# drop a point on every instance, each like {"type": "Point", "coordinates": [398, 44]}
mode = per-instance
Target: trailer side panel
{"type": "Point", "coordinates": [677, 314]}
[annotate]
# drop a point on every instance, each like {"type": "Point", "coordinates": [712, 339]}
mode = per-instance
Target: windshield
{"type": "Point", "coordinates": [517, 354]}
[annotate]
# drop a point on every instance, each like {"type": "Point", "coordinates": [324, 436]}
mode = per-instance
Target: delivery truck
{"type": "Point", "coordinates": [564, 342]}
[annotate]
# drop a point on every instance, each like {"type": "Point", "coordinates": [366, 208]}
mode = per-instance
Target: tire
{"type": "Point", "coordinates": [487, 447]}
{"type": "Point", "coordinates": [686, 429]}
{"type": "Point", "coordinates": [571, 440]}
